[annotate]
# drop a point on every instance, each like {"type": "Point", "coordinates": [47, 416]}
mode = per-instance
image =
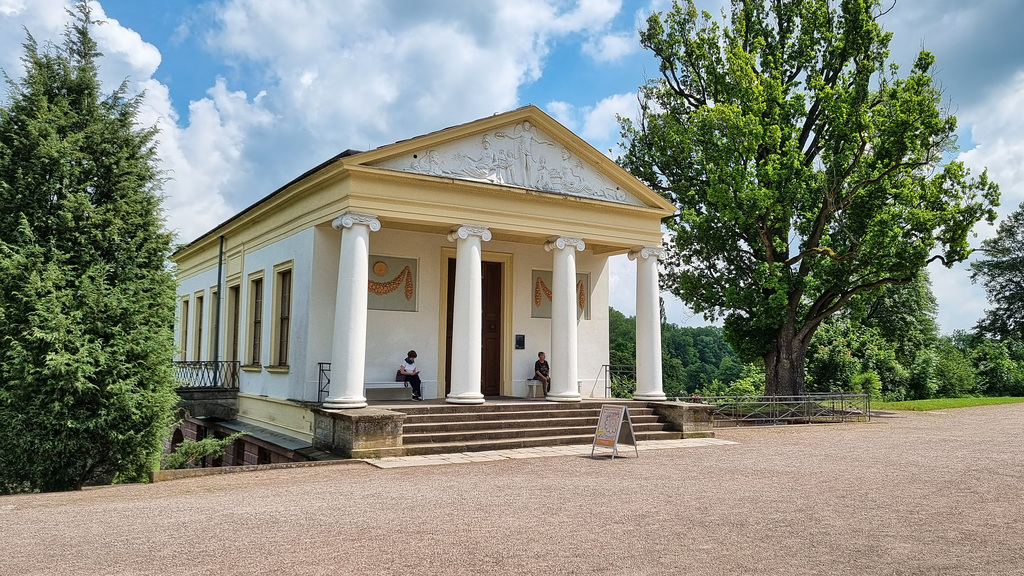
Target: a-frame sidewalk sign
{"type": "Point", "coordinates": [610, 431]}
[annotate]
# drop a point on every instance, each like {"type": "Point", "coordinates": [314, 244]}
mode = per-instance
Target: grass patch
{"type": "Point", "coordinates": [944, 403]}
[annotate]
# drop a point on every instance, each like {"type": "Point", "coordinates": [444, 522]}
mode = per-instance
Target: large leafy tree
{"type": "Point", "coordinates": [806, 170]}
{"type": "Point", "coordinates": [1001, 271]}
{"type": "Point", "coordinates": [86, 298]}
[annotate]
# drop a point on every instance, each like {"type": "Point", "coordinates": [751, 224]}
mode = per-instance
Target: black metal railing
{"type": "Point", "coordinates": [324, 381]}
{"type": "Point", "coordinates": [618, 379]}
{"type": "Point", "coordinates": [775, 410]}
{"type": "Point", "coordinates": [206, 373]}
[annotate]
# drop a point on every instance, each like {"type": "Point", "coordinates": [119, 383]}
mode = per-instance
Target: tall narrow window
{"type": "Point", "coordinates": [199, 329]}
{"type": "Point", "coordinates": [213, 349]}
{"type": "Point", "coordinates": [234, 312]}
{"type": "Point", "coordinates": [284, 307]}
{"type": "Point", "coordinates": [256, 327]}
{"type": "Point", "coordinates": [184, 329]}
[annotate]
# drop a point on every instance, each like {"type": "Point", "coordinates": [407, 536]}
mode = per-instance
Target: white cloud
{"type": "Point", "coordinates": [125, 53]}
{"type": "Point", "coordinates": [374, 73]}
{"type": "Point", "coordinates": [997, 128]}
{"type": "Point", "coordinates": [597, 124]}
{"type": "Point", "coordinates": [611, 47]}
{"type": "Point", "coordinates": [11, 7]}
{"type": "Point", "coordinates": [600, 123]}
{"type": "Point", "coordinates": [202, 158]}
{"type": "Point", "coordinates": [43, 18]}
{"type": "Point", "coordinates": [564, 112]}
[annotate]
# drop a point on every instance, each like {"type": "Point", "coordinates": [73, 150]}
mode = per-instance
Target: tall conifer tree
{"type": "Point", "coordinates": [86, 297]}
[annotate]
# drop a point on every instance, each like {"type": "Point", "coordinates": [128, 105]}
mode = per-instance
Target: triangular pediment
{"type": "Point", "coordinates": [526, 150]}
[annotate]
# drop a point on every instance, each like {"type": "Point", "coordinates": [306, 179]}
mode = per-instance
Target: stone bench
{"type": "Point", "coordinates": [379, 385]}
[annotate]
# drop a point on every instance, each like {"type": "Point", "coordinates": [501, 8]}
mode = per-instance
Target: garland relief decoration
{"type": "Point", "coordinates": [542, 295]}
{"type": "Point", "coordinates": [384, 284]}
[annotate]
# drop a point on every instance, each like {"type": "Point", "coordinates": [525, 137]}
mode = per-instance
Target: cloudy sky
{"type": "Point", "coordinates": [249, 94]}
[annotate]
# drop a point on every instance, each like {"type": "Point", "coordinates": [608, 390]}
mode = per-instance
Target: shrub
{"type": "Point", "coordinates": [188, 452]}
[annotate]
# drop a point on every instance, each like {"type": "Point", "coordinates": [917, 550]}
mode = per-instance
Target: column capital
{"type": "Point", "coordinates": [467, 230]}
{"type": "Point", "coordinates": [656, 252]}
{"type": "Point", "coordinates": [562, 241]}
{"type": "Point", "coordinates": [349, 219]}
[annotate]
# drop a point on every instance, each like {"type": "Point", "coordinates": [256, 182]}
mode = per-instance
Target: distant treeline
{"type": "Point", "coordinates": [890, 351]}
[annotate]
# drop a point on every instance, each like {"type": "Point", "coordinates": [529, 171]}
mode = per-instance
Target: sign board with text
{"type": "Point", "coordinates": [614, 427]}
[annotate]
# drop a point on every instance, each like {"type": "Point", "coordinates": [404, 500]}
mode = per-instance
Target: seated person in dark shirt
{"type": "Point", "coordinates": [540, 371]}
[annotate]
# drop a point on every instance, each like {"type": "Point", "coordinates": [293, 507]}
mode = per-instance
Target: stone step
{"type": "Point", "coordinates": [500, 444]}
{"type": "Point", "coordinates": [511, 407]}
{"type": "Point", "coordinates": [422, 418]}
{"type": "Point", "coordinates": [529, 422]}
{"type": "Point", "coordinates": [506, 433]}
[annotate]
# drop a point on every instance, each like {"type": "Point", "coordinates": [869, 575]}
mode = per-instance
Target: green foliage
{"type": "Point", "coordinates": [806, 170]}
{"type": "Point", "coordinates": [623, 386]}
{"type": "Point", "coordinates": [621, 338]}
{"type": "Point", "coordinates": [997, 373]}
{"type": "Point", "coordinates": [867, 383]}
{"type": "Point", "coordinates": [86, 301]}
{"type": "Point", "coordinates": [923, 382]}
{"type": "Point", "coordinates": [691, 356]}
{"type": "Point", "coordinates": [945, 403]}
{"type": "Point", "coordinates": [953, 371]}
{"type": "Point", "coordinates": [1001, 271]}
{"type": "Point", "coordinates": [901, 314]}
{"type": "Point", "coordinates": [831, 363]}
{"type": "Point", "coordinates": [750, 383]}
{"type": "Point", "coordinates": [188, 452]}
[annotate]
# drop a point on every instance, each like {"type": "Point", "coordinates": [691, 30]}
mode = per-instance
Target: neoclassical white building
{"type": "Point", "coordinates": [478, 246]}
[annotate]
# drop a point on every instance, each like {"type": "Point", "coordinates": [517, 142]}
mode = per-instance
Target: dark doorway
{"type": "Point", "coordinates": [490, 373]}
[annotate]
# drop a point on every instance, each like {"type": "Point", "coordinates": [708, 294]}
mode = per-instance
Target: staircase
{"type": "Point", "coordinates": [441, 429]}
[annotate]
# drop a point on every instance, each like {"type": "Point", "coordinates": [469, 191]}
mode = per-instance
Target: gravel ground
{"type": "Point", "coordinates": [927, 493]}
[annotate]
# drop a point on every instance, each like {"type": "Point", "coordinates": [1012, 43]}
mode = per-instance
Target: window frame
{"type": "Point", "coordinates": [198, 319]}
{"type": "Point", "coordinates": [211, 324]}
{"type": "Point", "coordinates": [232, 321]}
{"type": "Point", "coordinates": [282, 314]}
{"type": "Point", "coordinates": [183, 342]}
{"type": "Point", "coordinates": [254, 322]}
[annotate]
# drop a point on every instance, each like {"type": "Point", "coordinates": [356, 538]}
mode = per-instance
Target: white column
{"type": "Point", "coordinates": [467, 318]}
{"type": "Point", "coordinates": [564, 339]}
{"type": "Point", "coordinates": [348, 350]}
{"type": "Point", "coordinates": [648, 325]}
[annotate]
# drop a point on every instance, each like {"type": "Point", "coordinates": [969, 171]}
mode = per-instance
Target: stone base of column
{"type": "Point", "coordinates": [693, 420]}
{"type": "Point", "coordinates": [570, 397]}
{"type": "Point", "coordinates": [650, 397]}
{"type": "Point", "coordinates": [345, 402]}
{"type": "Point", "coordinates": [366, 433]}
{"type": "Point", "coordinates": [467, 398]}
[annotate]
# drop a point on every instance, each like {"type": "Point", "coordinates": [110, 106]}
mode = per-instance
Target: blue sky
{"type": "Point", "coordinates": [250, 93]}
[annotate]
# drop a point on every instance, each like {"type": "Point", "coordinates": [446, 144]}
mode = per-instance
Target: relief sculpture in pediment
{"type": "Point", "coordinates": [524, 138]}
{"type": "Point", "coordinates": [525, 158]}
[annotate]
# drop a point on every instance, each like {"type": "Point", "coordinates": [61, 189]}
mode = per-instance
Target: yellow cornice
{"type": "Point", "coordinates": [412, 201]}
{"type": "Point", "coordinates": [538, 118]}
{"type": "Point", "coordinates": [328, 175]}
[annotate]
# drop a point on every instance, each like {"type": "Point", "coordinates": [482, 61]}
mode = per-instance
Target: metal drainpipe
{"type": "Point", "coordinates": [216, 318]}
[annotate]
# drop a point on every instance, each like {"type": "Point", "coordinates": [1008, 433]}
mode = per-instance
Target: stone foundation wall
{"type": "Point", "coordinates": [359, 433]}
{"type": "Point", "coordinates": [693, 420]}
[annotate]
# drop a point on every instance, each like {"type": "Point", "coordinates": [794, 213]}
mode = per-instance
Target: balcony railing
{"type": "Point", "coordinates": [775, 410]}
{"type": "Point", "coordinates": [619, 379]}
{"type": "Point", "coordinates": [206, 374]}
{"type": "Point", "coordinates": [324, 380]}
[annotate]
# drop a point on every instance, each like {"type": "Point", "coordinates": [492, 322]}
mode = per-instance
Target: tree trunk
{"type": "Point", "coordinates": [784, 364]}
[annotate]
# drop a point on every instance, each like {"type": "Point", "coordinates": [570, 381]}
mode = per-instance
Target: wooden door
{"type": "Point", "coordinates": [490, 377]}
{"type": "Point", "coordinates": [490, 372]}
